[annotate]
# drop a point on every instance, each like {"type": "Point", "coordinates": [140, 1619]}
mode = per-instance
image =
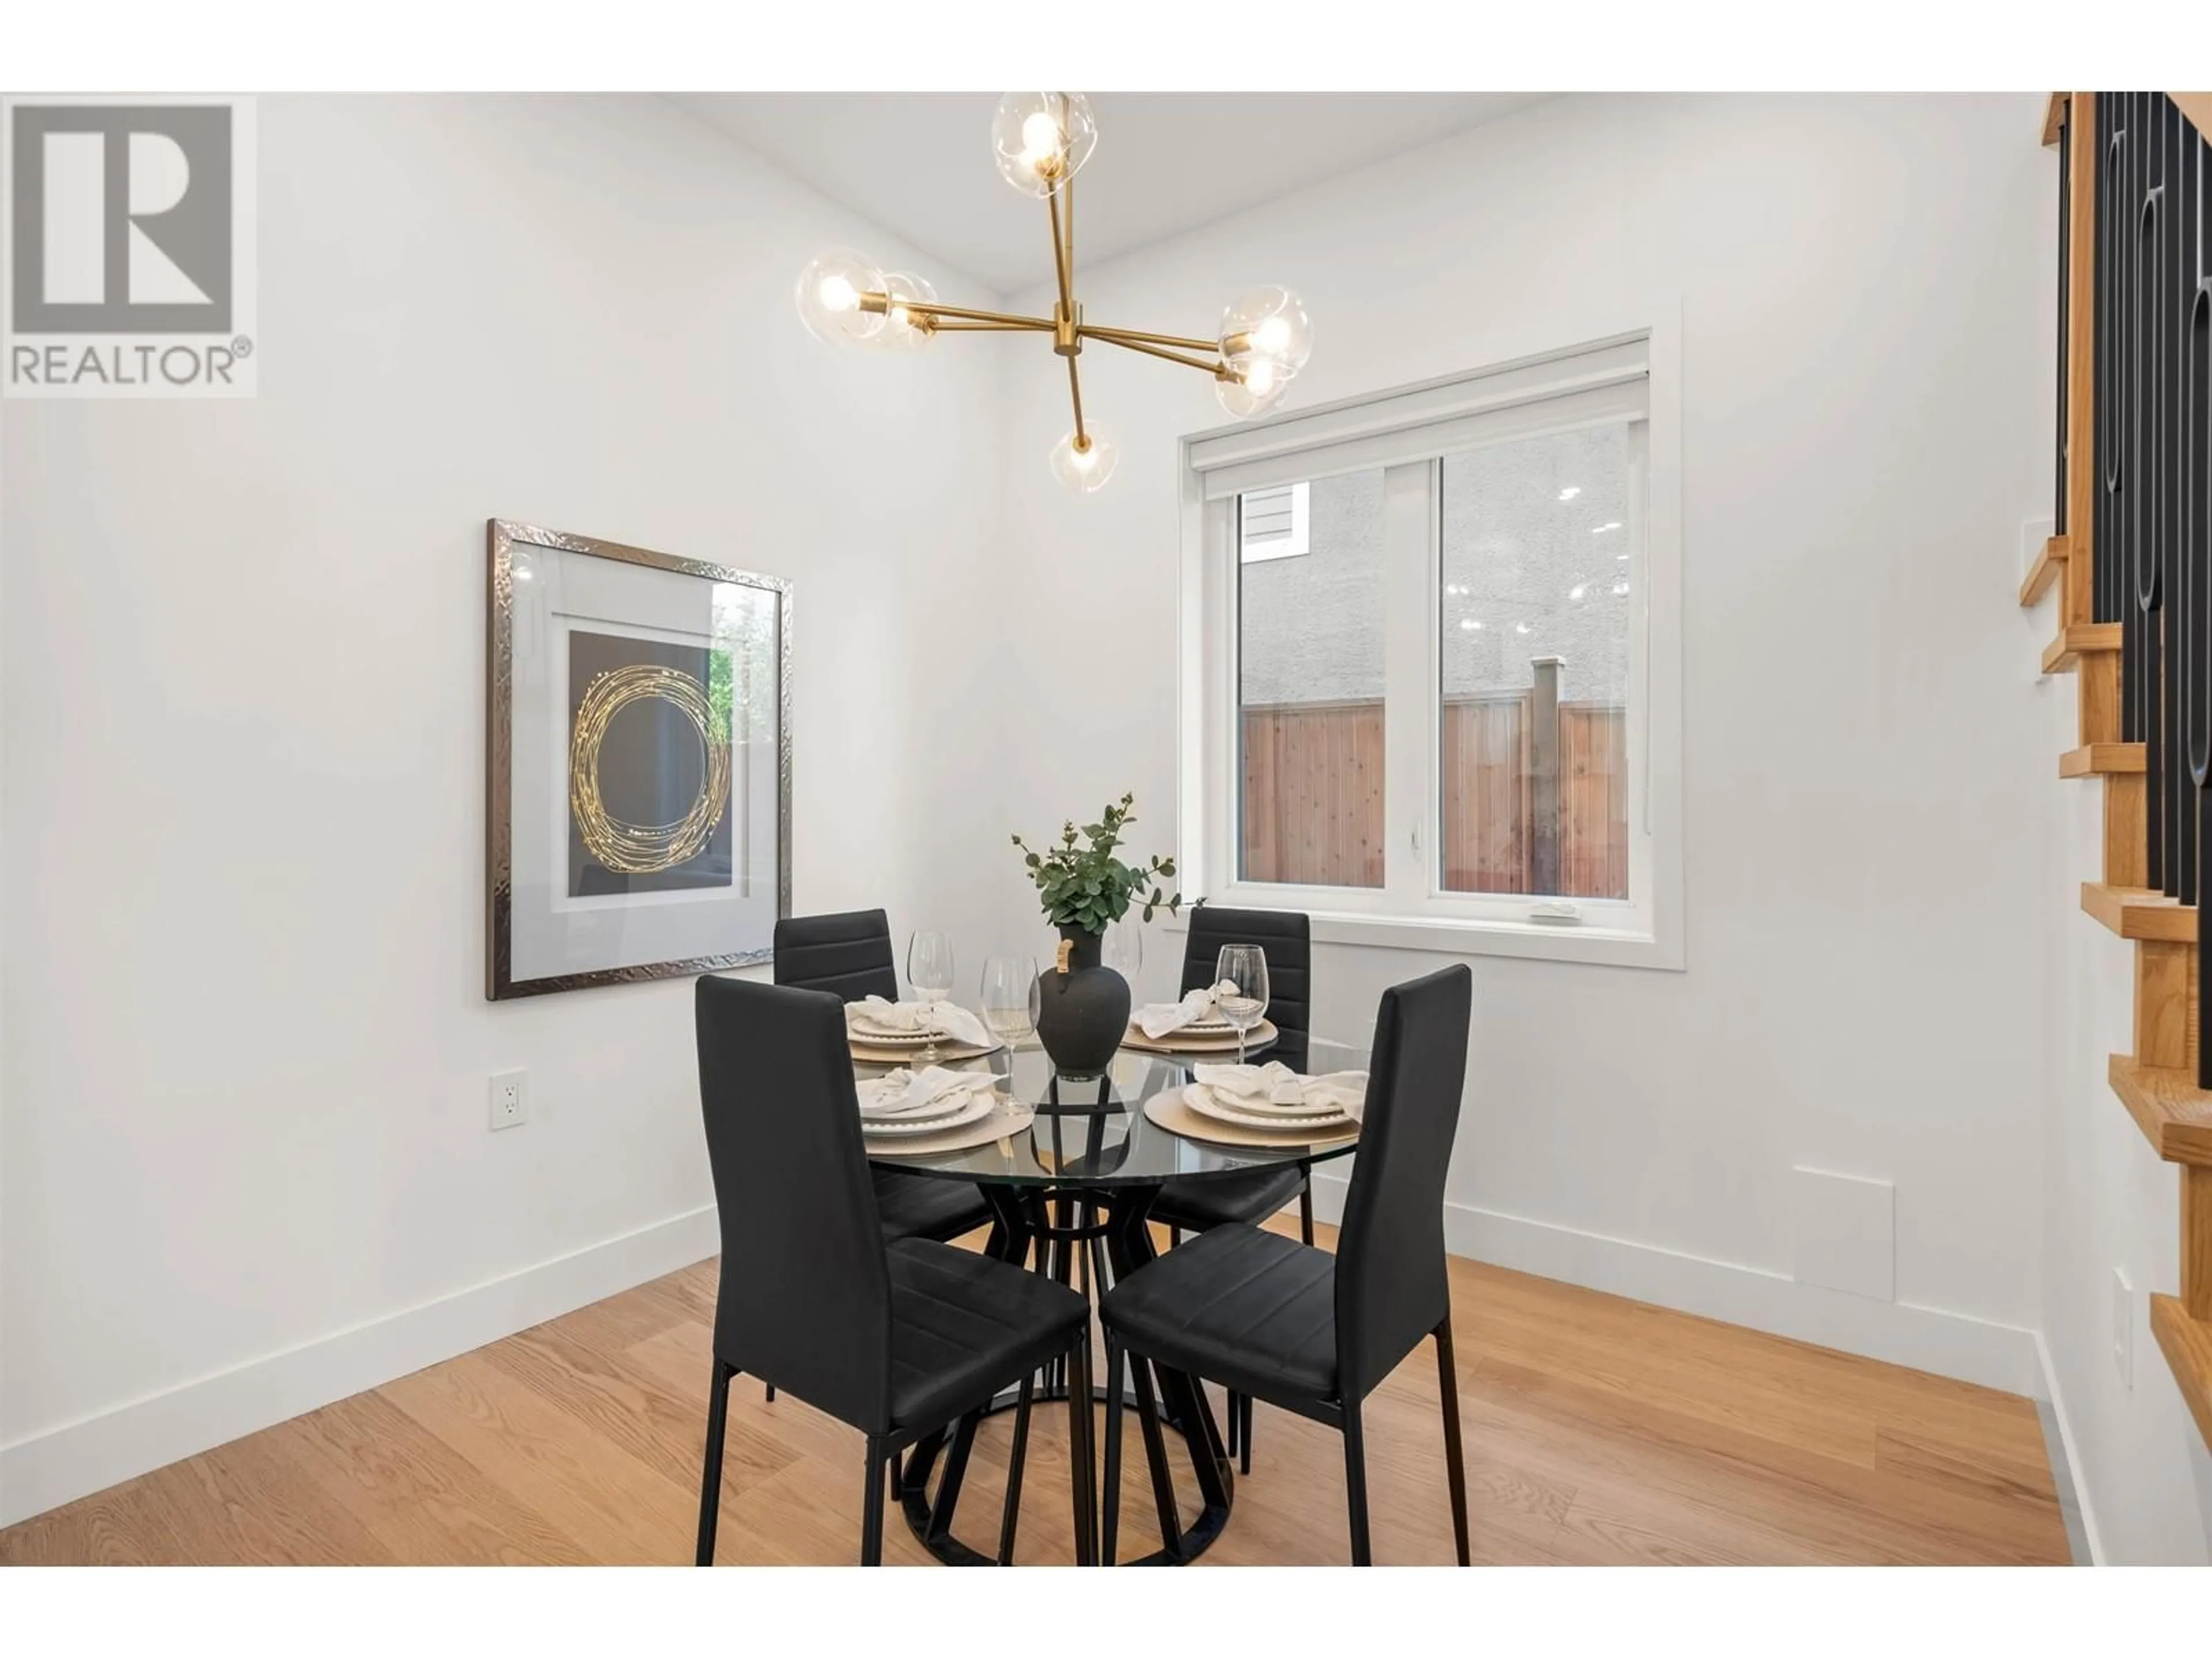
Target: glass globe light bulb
{"type": "Point", "coordinates": [1254, 394]}
{"type": "Point", "coordinates": [1042, 139]}
{"type": "Point", "coordinates": [1088, 468]}
{"type": "Point", "coordinates": [828, 295]}
{"type": "Point", "coordinates": [1266, 322]}
{"type": "Point", "coordinates": [902, 330]}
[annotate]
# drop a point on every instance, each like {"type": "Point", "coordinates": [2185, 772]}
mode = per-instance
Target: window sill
{"type": "Point", "coordinates": [1434, 935]}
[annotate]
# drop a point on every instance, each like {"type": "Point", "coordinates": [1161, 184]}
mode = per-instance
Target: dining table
{"type": "Point", "coordinates": [1070, 1194]}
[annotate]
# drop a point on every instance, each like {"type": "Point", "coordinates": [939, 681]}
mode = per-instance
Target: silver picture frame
{"type": "Point", "coordinates": [504, 536]}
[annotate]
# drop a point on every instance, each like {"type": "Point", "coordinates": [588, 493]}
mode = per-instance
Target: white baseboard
{"type": "Point", "coordinates": [59, 1464]}
{"type": "Point", "coordinates": [1953, 1345]}
{"type": "Point", "coordinates": [2074, 1474]}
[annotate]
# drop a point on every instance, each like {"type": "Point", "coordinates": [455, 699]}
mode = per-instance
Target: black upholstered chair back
{"type": "Point", "coordinates": [805, 1300]}
{"type": "Point", "coordinates": [1286, 938]}
{"type": "Point", "coordinates": [1390, 1286]}
{"type": "Point", "coordinates": [849, 954]}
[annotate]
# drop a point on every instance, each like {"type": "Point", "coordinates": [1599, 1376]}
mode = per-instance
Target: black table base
{"type": "Point", "coordinates": [1106, 1229]}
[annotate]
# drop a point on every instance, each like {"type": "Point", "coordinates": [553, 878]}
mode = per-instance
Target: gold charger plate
{"type": "Point", "coordinates": [1167, 1110]}
{"type": "Point", "coordinates": [1261, 1035]}
{"type": "Point", "coordinates": [1010, 1118]}
{"type": "Point", "coordinates": [947, 1051]}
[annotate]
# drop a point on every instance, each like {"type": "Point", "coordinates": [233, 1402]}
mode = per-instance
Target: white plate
{"type": "Point", "coordinates": [861, 1031]}
{"type": "Point", "coordinates": [875, 1109]}
{"type": "Point", "coordinates": [1201, 1099]}
{"type": "Point", "coordinates": [980, 1105]}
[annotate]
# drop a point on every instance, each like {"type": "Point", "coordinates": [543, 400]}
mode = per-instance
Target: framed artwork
{"type": "Point", "coordinates": [638, 785]}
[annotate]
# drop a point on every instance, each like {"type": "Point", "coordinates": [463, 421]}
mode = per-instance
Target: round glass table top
{"type": "Point", "coordinates": [1091, 1132]}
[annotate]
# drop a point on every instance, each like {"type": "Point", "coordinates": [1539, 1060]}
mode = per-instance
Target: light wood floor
{"type": "Point", "coordinates": [1598, 1431]}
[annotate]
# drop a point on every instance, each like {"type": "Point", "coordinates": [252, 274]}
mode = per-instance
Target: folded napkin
{"type": "Point", "coordinates": [1276, 1085]}
{"type": "Point", "coordinates": [949, 1018]}
{"type": "Point", "coordinates": [905, 1093]}
{"type": "Point", "coordinates": [1157, 1019]}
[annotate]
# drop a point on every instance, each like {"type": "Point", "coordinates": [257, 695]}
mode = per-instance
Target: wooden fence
{"type": "Point", "coordinates": [1313, 796]}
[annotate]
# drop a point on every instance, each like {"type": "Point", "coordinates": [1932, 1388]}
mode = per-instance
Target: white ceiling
{"type": "Point", "coordinates": [920, 163]}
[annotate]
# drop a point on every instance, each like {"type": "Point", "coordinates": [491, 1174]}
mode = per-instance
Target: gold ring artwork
{"type": "Point", "coordinates": [644, 850]}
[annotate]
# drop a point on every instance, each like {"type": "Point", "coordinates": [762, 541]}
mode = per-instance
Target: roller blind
{"type": "Point", "coordinates": [1606, 380]}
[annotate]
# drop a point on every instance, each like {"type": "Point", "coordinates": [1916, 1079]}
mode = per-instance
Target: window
{"type": "Point", "coordinates": [1422, 642]}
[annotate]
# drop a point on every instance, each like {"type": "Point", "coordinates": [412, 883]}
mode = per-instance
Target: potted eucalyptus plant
{"type": "Point", "coordinates": [1083, 1006]}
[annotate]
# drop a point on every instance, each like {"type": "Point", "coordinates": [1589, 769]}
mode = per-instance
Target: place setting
{"type": "Point", "coordinates": [1227, 1016]}
{"type": "Point", "coordinates": [910, 1113]}
{"type": "Point", "coordinates": [931, 1027]}
{"type": "Point", "coordinates": [1265, 1105]}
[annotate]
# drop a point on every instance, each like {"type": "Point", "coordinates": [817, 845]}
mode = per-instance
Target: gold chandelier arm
{"type": "Point", "coordinates": [1075, 391]}
{"type": "Point", "coordinates": [881, 303]}
{"type": "Point", "coordinates": [1219, 370]}
{"type": "Point", "coordinates": [1122, 336]}
{"type": "Point", "coordinates": [1060, 261]}
{"type": "Point", "coordinates": [938, 325]}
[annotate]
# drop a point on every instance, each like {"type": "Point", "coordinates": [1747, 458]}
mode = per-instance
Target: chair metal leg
{"type": "Point", "coordinates": [1355, 1484]}
{"type": "Point", "coordinates": [956, 1474]}
{"type": "Point", "coordinates": [710, 1478]}
{"type": "Point", "coordinates": [872, 1506]}
{"type": "Point", "coordinates": [767, 1392]}
{"type": "Point", "coordinates": [1232, 1418]}
{"type": "Point", "coordinates": [1110, 1500]}
{"type": "Point", "coordinates": [1244, 1434]}
{"type": "Point", "coordinates": [1306, 1212]}
{"type": "Point", "coordinates": [1156, 1455]}
{"type": "Point", "coordinates": [1011, 1519]}
{"type": "Point", "coordinates": [1081, 1466]}
{"type": "Point", "coordinates": [1454, 1466]}
{"type": "Point", "coordinates": [1175, 1236]}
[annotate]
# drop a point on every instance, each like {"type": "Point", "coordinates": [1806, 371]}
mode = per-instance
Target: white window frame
{"type": "Point", "coordinates": [1404, 431]}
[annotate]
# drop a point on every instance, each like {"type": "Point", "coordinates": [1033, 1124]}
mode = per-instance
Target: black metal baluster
{"type": "Point", "coordinates": [2196, 540]}
{"type": "Point", "coordinates": [2107, 590]}
{"type": "Point", "coordinates": [2143, 456]}
{"type": "Point", "coordinates": [2177, 266]}
{"type": "Point", "coordinates": [2065, 307]}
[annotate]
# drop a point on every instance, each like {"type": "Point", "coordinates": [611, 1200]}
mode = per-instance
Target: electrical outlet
{"type": "Point", "coordinates": [2123, 1328]}
{"type": "Point", "coordinates": [509, 1106]}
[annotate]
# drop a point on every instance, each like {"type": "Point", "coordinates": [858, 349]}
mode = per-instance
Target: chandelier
{"type": "Point", "coordinates": [1041, 140]}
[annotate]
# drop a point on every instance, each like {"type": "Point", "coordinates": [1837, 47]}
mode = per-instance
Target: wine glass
{"type": "Point", "coordinates": [1124, 949]}
{"type": "Point", "coordinates": [1245, 968]}
{"type": "Point", "coordinates": [929, 972]}
{"type": "Point", "coordinates": [1010, 998]}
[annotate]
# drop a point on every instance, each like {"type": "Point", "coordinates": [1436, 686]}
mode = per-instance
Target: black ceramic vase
{"type": "Point", "coordinates": [1081, 1014]}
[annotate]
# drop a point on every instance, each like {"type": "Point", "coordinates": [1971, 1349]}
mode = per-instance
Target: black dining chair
{"type": "Point", "coordinates": [899, 1338]}
{"type": "Point", "coordinates": [1314, 1333]}
{"type": "Point", "coordinates": [849, 955]}
{"type": "Point", "coordinates": [1193, 1206]}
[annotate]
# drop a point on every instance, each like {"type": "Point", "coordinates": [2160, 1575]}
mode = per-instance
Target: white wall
{"type": "Point", "coordinates": [246, 1039]}
{"type": "Point", "coordinates": [1863, 283]}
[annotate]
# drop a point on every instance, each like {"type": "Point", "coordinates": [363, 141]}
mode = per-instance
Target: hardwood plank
{"type": "Point", "coordinates": [2127, 847]}
{"type": "Point", "coordinates": [417, 1497]}
{"type": "Point", "coordinates": [2165, 1022]}
{"type": "Point", "coordinates": [618, 1509]}
{"type": "Point", "coordinates": [2197, 1242]}
{"type": "Point", "coordinates": [2048, 565]}
{"type": "Point", "coordinates": [2187, 1345]}
{"type": "Point", "coordinates": [2139, 913]}
{"type": "Point", "coordinates": [2096, 759]}
{"type": "Point", "coordinates": [2175, 1115]}
{"type": "Point", "coordinates": [2076, 640]}
{"type": "Point", "coordinates": [1598, 1429]}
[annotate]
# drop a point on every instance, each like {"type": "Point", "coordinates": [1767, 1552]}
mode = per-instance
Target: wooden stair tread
{"type": "Point", "coordinates": [2175, 1115]}
{"type": "Point", "coordinates": [2063, 654]}
{"type": "Point", "coordinates": [2050, 562]}
{"type": "Point", "coordinates": [2187, 1345]}
{"type": "Point", "coordinates": [2139, 913]}
{"type": "Point", "coordinates": [2101, 759]}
